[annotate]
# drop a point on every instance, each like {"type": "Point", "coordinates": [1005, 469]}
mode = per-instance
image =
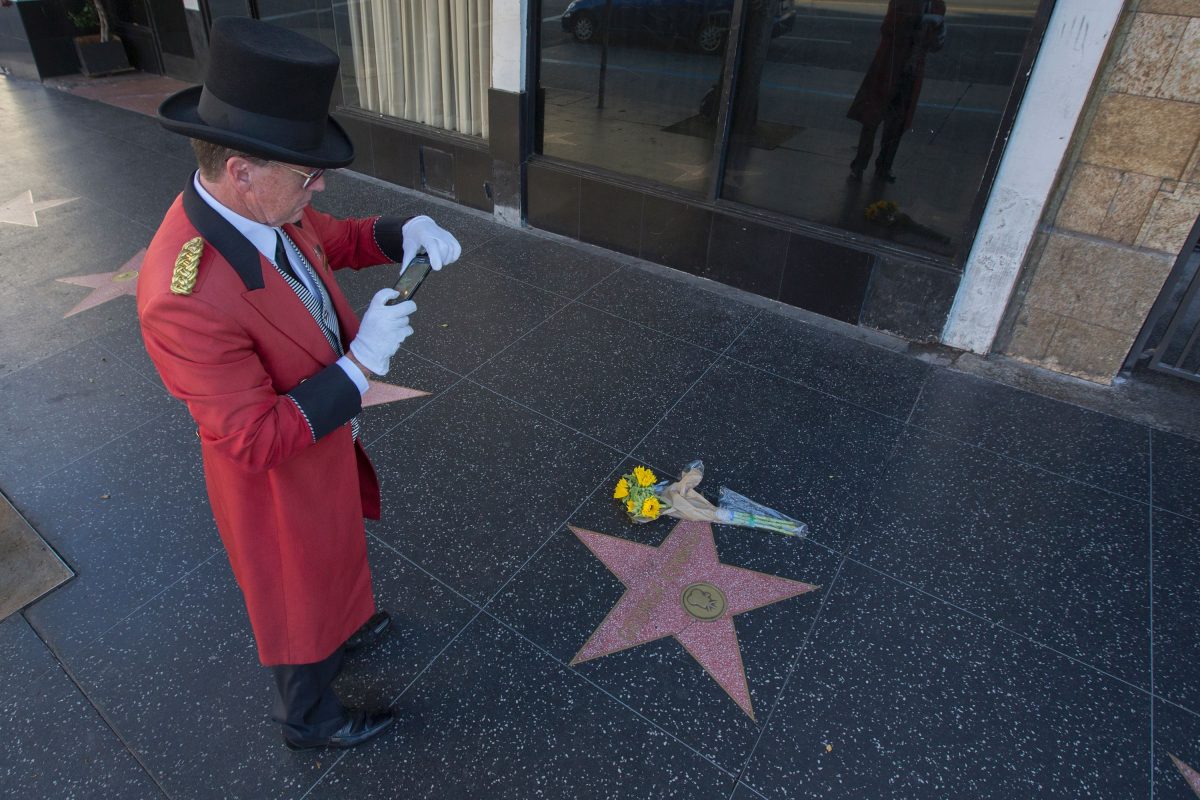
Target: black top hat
{"type": "Point", "coordinates": [266, 93]}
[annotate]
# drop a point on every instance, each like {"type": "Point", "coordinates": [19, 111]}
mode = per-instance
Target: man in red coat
{"type": "Point", "coordinates": [890, 89]}
{"type": "Point", "coordinates": [244, 321]}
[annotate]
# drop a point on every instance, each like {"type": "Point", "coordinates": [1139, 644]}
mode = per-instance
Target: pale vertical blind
{"type": "Point", "coordinates": [427, 61]}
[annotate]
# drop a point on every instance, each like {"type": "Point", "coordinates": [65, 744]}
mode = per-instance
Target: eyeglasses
{"type": "Point", "coordinates": [309, 177]}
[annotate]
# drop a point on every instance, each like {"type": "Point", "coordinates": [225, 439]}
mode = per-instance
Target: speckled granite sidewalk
{"type": "Point", "coordinates": [1006, 596]}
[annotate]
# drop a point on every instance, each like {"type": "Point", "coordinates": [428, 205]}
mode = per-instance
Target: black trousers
{"type": "Point", "coordinates": [893, 129]}
{"type": "Point", "coordinates": [305, 703]}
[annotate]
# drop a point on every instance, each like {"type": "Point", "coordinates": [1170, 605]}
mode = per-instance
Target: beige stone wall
{"type": "Point", "coordinates": [1127, 204]}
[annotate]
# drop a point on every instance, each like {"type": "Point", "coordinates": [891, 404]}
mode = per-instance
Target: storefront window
{"type": "Point", "coordinates": [872, 116]}
{"type": "Point", "coordinates": [622, 83]}
{"type": "Point", "coordinates": [426, 61]}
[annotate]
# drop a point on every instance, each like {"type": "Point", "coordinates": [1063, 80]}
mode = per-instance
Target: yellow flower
{"type": "Point", "coordinates": [644, 476]}
{"type": "Point", "coordinates": [650, 507]}
{"type": "Point", "coordinates": [629, 506]}
{"type": "Point", "coordinates": [622, 489]}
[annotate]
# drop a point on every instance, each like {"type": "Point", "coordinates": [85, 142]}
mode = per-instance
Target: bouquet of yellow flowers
{"type": "Point", "coordinates": [888, 213]}
{"type": "Point", "coordinates": [647, 499]}
{"type": "Point", "coordinates": [637, 489]}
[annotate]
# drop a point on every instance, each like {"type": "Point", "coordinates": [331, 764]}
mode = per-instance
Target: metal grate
{"type": "Point", "coordinates": [1171, 339]}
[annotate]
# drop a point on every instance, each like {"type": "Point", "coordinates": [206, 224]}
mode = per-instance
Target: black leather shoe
{"type": "Point", "coordinates": [360, 726]}
{"type": "Point", "coordinates": [370, 634]}
{"type": "Point", "coordinates": [884, 176]}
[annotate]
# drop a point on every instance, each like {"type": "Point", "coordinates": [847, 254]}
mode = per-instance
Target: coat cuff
{"type": "Point", "coordinates": [389, 236]}
{"type": "Point", "coordinates": [328, 400]}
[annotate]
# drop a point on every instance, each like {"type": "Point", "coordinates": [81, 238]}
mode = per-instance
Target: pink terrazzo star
{"type": "Point", "coordinates": [106, 286]}
{"type": "Point", "coordinates": [680, 589]}
{"type": "Point", "coordinates": [379, 393]}
{"type": "Point", "coordinates": [1190, 775]}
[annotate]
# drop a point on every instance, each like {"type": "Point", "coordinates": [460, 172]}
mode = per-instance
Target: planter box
{"type": "Point", "coordinates": [101, 58]}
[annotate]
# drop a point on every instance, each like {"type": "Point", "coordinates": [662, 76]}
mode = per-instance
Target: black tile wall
{"type": "Point", "coordinates": [472, 173]}
{"type": "Point", "coordinates": [553, 200]}
{"type": "Point", "coordinates": [504, 126]}
{"type": "Point", "coordinates": [610, 216]}
{"type": "Point", "coordinates": [675, 234]}
{"type": "Point", "coordinates": [825, 277]}
{"type": "Point", "coordinates": [747, 255]}
{"type": "Point", "coordinates": [395, 156]}
{"type": "Point", "coordinates": [359, 132]}
{"type": "Point", "coordinates": [912, 300]}
{"type": "Point", "coordinates": [437, 169]}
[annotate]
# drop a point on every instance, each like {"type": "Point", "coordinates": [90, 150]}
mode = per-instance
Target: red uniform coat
{"type": "Point", "coordinates": [900, 56]}
{"type": "Point", "coordinates": [289, 486]}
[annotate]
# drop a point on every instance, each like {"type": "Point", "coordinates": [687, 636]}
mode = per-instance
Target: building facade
{"type": "Point", "coordinates": [1014, 176]}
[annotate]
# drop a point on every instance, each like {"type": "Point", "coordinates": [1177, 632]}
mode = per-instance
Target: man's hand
{"type": "Point", "coordinates": [383, 328]}
{"type": "Point", "coordinates": [440, 244]}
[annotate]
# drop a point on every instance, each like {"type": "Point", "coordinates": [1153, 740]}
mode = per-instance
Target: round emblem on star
{"type": "Point", "coordinates": [703, 601]}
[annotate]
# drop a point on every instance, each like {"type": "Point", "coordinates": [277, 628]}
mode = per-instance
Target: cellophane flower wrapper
{"type": "Point", "coordinates": [743, 511]}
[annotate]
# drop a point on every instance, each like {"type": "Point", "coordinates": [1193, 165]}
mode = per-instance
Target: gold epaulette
{"type": "Point", "coordinates": [184, 276]}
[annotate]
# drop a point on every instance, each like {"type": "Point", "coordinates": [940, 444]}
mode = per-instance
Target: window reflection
{"type": "Point", "coordinates": [875, 116]}
{"type": "Point", "coordinates": [622, 83]}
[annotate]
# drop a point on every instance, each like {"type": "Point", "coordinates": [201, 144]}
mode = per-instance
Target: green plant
{"type": "Point", "coordinates": [90, 15]}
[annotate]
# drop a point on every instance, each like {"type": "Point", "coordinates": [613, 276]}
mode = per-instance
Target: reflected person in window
{"type": "Point", "coordinates": [243, 319]}
{"type": "Point", "coordinates": [890, 89]}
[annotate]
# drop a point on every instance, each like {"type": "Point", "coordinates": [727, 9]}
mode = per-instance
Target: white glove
{"type": "Point", "coordinates": [383, 328]}
{"type": "Point", "coordinates": [440, 244]}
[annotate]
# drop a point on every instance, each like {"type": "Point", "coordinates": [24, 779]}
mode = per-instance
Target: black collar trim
{"type": "Point", "coordinates": [216, 230]}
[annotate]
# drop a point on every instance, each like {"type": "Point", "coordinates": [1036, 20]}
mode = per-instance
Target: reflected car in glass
{"type": "Point", "coordinates": [702, 23]}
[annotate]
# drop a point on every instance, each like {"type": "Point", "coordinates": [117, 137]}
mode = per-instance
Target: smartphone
{"type": "Point", "coordinates": [410, 281]}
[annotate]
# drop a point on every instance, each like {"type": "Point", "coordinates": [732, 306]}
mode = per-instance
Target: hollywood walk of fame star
{"type": "Point", "coordinates": [1190, 775]}
{"type": "Point", "coordinates": [106, 286]}
{"type": "Point", "coordinates": [21, 210]}
{"type": "Point", "coordinates": [680, 589]}
{"type": "Point", "coordinates": [379, 393]}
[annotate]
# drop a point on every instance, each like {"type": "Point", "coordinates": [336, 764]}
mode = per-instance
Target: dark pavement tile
{"type": "Point", "coordinates": [26, 657]}
{"type": "Point", "coordinates": [672, 307]}
{"type": "Point", "coordinates": [182, 684]}
{"type": "Point", "coordinates": [410, 372]}
{"type": "Point", "coordinates": [802, 453]}
{"type": "Point", "coordinates": [900, 695]}
{"type": "Point", "coordinates": [473, 484]}
{"type": "Point", "coordinates": [465, 316]}
{"type": "Point", "coordinates": [473, 229]}
{"type": "Point", "coordinates": [131, 518]}
{"type": "Point", "coordinates": [869, 376]}
{"type": "Point", "coordinates": [550, 266]}
{"type": "Point", "coordinates": [565, 593]}
{"type": "Point", "coordinates": [124, 341]}
{"type": "Point", "coordinates": [597, 374]}
{"type": "Point", "coordinates": [76, 401]}
{"type": "Point", "coordinates": [56, 745]}
{"type": "Point", "coordinates": [1063, 563]}
{"type": "Point", "coordinates": [495, 717]}
{"type": "Point", "coordinates": [1177, 474]}
{"type": "Point", "coordinates": [1176, 733]}
{"type": "Point", "coordinates": [347, 195]}
{"type": "Point", "coordinates": [143, 188]}
{"type": "Point", "coordinates": [1065, 439]}
{"type": "Point", "coordinates": [78, 237]}
{"type": "Point", "coordinates": [1176, 609]}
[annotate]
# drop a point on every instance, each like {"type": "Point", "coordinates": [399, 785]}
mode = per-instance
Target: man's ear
{"type": "Point", "coordinates": [237, 172]}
